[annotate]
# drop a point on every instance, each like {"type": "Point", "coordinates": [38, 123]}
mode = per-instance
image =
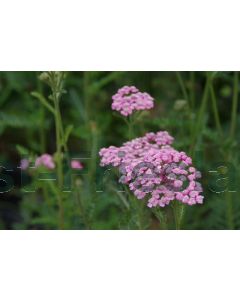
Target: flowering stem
{"type": "Point", "coordinates": [55, 80]}
{"type": "Point", "coordinates": [130, 122]}
{"type": "Point", "coordinates": [59, 160]}
{"type": "Point", "coordinates": [42, 138]}
{"type": "Point", "coordinates": [130, 130]}
{"type": "Point", "coordinates": [176, 217]}
{"type": "Point", "coordinates": [178, 212]}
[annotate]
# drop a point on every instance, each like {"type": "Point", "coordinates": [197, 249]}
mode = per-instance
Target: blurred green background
{"type": "Point", "coordinates": [199, 109]}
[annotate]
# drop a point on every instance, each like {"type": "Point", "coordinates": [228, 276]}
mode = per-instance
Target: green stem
{"type": "Point", "coordinates": [215, 109]}
{"type": "Point", "coordinates": [198, 128]}
{"type": "Point", "coordinates": [137, 207]}
{"type": "Point", "coordinates": [192, 90]}
{"type": "Point", "coordinates": [130, 122]}
{"type": "Point", "coordinates": [94, 150]}
{"type": "Point", "coordinates": [181, 83]}
{"type": "Point", "coordinates": [130, 129]}
{"type": "Point", "coordinates": [55, 81]}
{"type": "Point", "coordinates": [234, 105]}
{"type": "Point", "coordinates": [229, 211]}
{"type": "Point", "coordinates": [161, 216]}
{"type": "Point", "coordinates": [42, 133]}
{"type": "Point", "coordinates": [58, 127]}
{"type": "Point", "coordinates": [42, 136]}
{"type": "Point", "coordinates": [140, 215]}
{"type": "Point", "coordinates": [87, 95]}
{"type": "Point", "coordinates": [178, 212]}
{"type": "Point", "coordinates": [176, 218]}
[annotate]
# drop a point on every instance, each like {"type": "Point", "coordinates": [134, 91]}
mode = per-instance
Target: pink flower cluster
{"type": "Point", "coordinates": [45, 160]}
{"type": "Point", "coordinates": [154, 170]}
{"type": "Point", "coordinates": [129, 99]}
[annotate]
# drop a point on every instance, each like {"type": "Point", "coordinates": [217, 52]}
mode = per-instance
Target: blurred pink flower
{"type": "Point", "coordinates": [45, 160]}
{"type": "Point", "coordinates": [75, 164]}
{"type": "Point", "coordinates": [24, 164]}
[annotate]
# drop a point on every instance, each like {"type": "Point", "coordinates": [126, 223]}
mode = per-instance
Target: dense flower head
{"type": "Point", "coordinates": [154, 170]}
{"type": "Point", "coordinates": [129, 99]}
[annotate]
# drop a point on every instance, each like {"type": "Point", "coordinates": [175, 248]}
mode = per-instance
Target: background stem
{"type": "Point", "coordinates": [192, 89]}
{"type": "Point", "coordinates": [181, 83]}
{"type": "Point", "coordinates": [234, 105]}
{"type": "Point", "coordinates": [198, 127]}
{"type": "Point", "coordinates": [215, 108]}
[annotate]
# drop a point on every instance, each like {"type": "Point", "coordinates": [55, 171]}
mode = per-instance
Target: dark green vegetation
{"type": "Point", "coordinates": [200, 109]}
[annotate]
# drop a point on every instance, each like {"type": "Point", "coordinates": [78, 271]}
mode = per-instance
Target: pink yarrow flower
{"type": "Point", "coordinates": [129, 99]}
{"type": "Point", "coordinates": [154, 170]}
{"type": "Point", "coordinates": [45, 160]}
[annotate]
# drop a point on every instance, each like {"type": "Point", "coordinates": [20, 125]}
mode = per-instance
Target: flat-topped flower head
{"type": "Point", "coordinates": [129, 99]}
{"type": "Point", "coordinates": [154, 170]}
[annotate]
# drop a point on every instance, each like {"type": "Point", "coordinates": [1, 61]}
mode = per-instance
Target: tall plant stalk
{"type": "Point", "coordinates": [59, 159]}
{"type": "Point", "coordinates": [55, 81]}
